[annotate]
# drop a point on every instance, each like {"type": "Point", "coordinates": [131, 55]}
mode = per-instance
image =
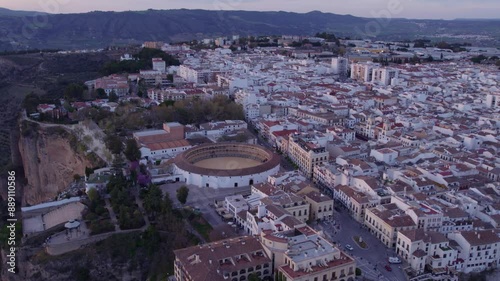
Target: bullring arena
{"type": "Point", "coordinates": [225, 165]}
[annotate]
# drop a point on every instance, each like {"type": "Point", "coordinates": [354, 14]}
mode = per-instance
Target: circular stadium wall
{"type": "Point", "coordinates": [225, 165]}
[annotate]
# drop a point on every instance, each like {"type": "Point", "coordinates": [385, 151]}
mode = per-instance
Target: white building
{"type": "Point", "coordinates": [385, 155]}
{"type": "Point", "coordinates": [493, 100]}
{"type": "Point", "coordinates": [235, 204]}
{"type": "Point", "coordinates": [384, 76]}
{"type": "Point", "coordinates": [479, 250]}
{"type": "Point", "coordinates": [159, 65]}
{"type": "Point", "coordinates": [161, 150]}
{"type": "Point", "coordinates": [126, 57]}
{"type": "Point", "coordinates": [420, 248]}
{"type": "Point", "coordinates": [340, 65]}
{"type": "Point", "coordinates": [363, 71]}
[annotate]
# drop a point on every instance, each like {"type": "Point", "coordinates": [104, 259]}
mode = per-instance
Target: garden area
{"type": "Point", "coordinates": [127, 211]}
{"type": "Point", "coordinates": [97, 218]}
{"type": "Point", "coordinates": [361, 243]}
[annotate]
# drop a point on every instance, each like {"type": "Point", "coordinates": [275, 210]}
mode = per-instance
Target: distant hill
{"type": "Point", "coordinates": [100, 29]}
{"type": "Point", "coordinates": [7, 12]}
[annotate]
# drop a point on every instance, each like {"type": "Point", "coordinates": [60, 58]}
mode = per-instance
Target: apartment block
{"type": "Point", "coordinates": [385, 221]}
{"type": "Point", "coordinates": [231, 259]}
{"type": "Point", "coordinates": [306, 153]}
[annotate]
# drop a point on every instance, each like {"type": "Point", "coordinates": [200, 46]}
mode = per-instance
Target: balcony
{"type": "Point", "coordinates": [436, 259]}
{"type": "Point", "coordinates": [445, 248]}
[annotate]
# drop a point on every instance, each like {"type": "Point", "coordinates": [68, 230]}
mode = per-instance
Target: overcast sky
{"type": "Point", "coordinates": [435, 9]}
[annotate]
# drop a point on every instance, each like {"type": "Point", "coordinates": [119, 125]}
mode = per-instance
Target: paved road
{"type": "Point", "coordinates": [372, 260]}
{"type": "Point", "coordinates": [202, 198]}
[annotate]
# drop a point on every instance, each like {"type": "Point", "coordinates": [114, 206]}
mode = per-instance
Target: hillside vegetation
{"type": "Point", "coordinates": [100, 29]}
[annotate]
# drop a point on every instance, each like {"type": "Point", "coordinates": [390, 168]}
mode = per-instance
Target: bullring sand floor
{"type": "Point", "coordinates": [227, 163]}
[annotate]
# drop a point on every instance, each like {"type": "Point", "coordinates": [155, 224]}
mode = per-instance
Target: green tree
{"type": "Point", "coordinates": [478, 59]}
{"type": "Point", "coordinates": [113, 97]}
{"type": "Point", "coordinates": [182, 194]}
{"type": "Point", "coordinates": [142, 61]}
{"type": "Point", "coordinates": [101, 94]}
{"type": "Point", "coordinates": [93, 195]}
{"type": "Point", "coordinates": [81, 274]}
{"type": "Point", "coordinates": [118, 162]}
{"type": "Point", "coordinates": [154, 199]}
{"type": "Point", "coordinates": [88, 171]}
{"type": "Point", "coordinates": [420, 43]}
{"type": "Point", "coordinates": [443, 45]}
{"type": "Point", "coordinates": [253, 277]}
{"type": "Point", "coordinates": [152, 239]}
{"type": "Point", "coordinates": [74, 92]}
{"type": "Point", "coordinates": [132, 151]}
{"type": "Point", "coordinates": [30, 102]}
{"type": "Point", "coordinates": [114, 144]}
{"type": "Point", "coordinates": [358, 271]}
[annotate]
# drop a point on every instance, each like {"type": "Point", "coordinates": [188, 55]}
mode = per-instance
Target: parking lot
{"type": "Point", "coordinates": [372, 260]}
{"type": "Point", "coordinates": [203, 198]}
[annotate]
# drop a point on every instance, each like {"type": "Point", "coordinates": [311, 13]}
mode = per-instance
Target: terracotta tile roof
{"type": "Point", "coordinates": [318, 197]}
{"type": "Point", "coordinates": [211, 261]}
{"type": "Point", "coordinates": [167, 145]}
{"type": "Point", "coordinates": [425, 236]}
{"type": "Point", "coordinates": [484, 237]}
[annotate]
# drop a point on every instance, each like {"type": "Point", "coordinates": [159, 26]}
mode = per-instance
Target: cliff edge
{"type": "Point", "coordinates": [51, 156]}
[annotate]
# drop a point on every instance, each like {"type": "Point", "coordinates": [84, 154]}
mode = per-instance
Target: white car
{"type": "Point", "coordinates": [349, 247]}
{"type": "Point", "coordinates": [394, 260]}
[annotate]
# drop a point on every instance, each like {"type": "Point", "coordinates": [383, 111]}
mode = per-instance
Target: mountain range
{"type": "Point", "coordinates": [30, 30]}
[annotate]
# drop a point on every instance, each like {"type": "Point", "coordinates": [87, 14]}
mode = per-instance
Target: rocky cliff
{"type": "Point", "coordinates": [51, 156]}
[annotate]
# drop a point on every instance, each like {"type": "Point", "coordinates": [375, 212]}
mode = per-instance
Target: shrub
{"type": "Point", "coordinates": [358, 272]}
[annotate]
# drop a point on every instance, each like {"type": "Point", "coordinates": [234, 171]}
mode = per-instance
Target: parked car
{"type": "Point", "coordinates": [394, 260]}
{"type": "Point", "coordinates": [349, 247]}
{"type": "Point", "coordinates": [387, 267]}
